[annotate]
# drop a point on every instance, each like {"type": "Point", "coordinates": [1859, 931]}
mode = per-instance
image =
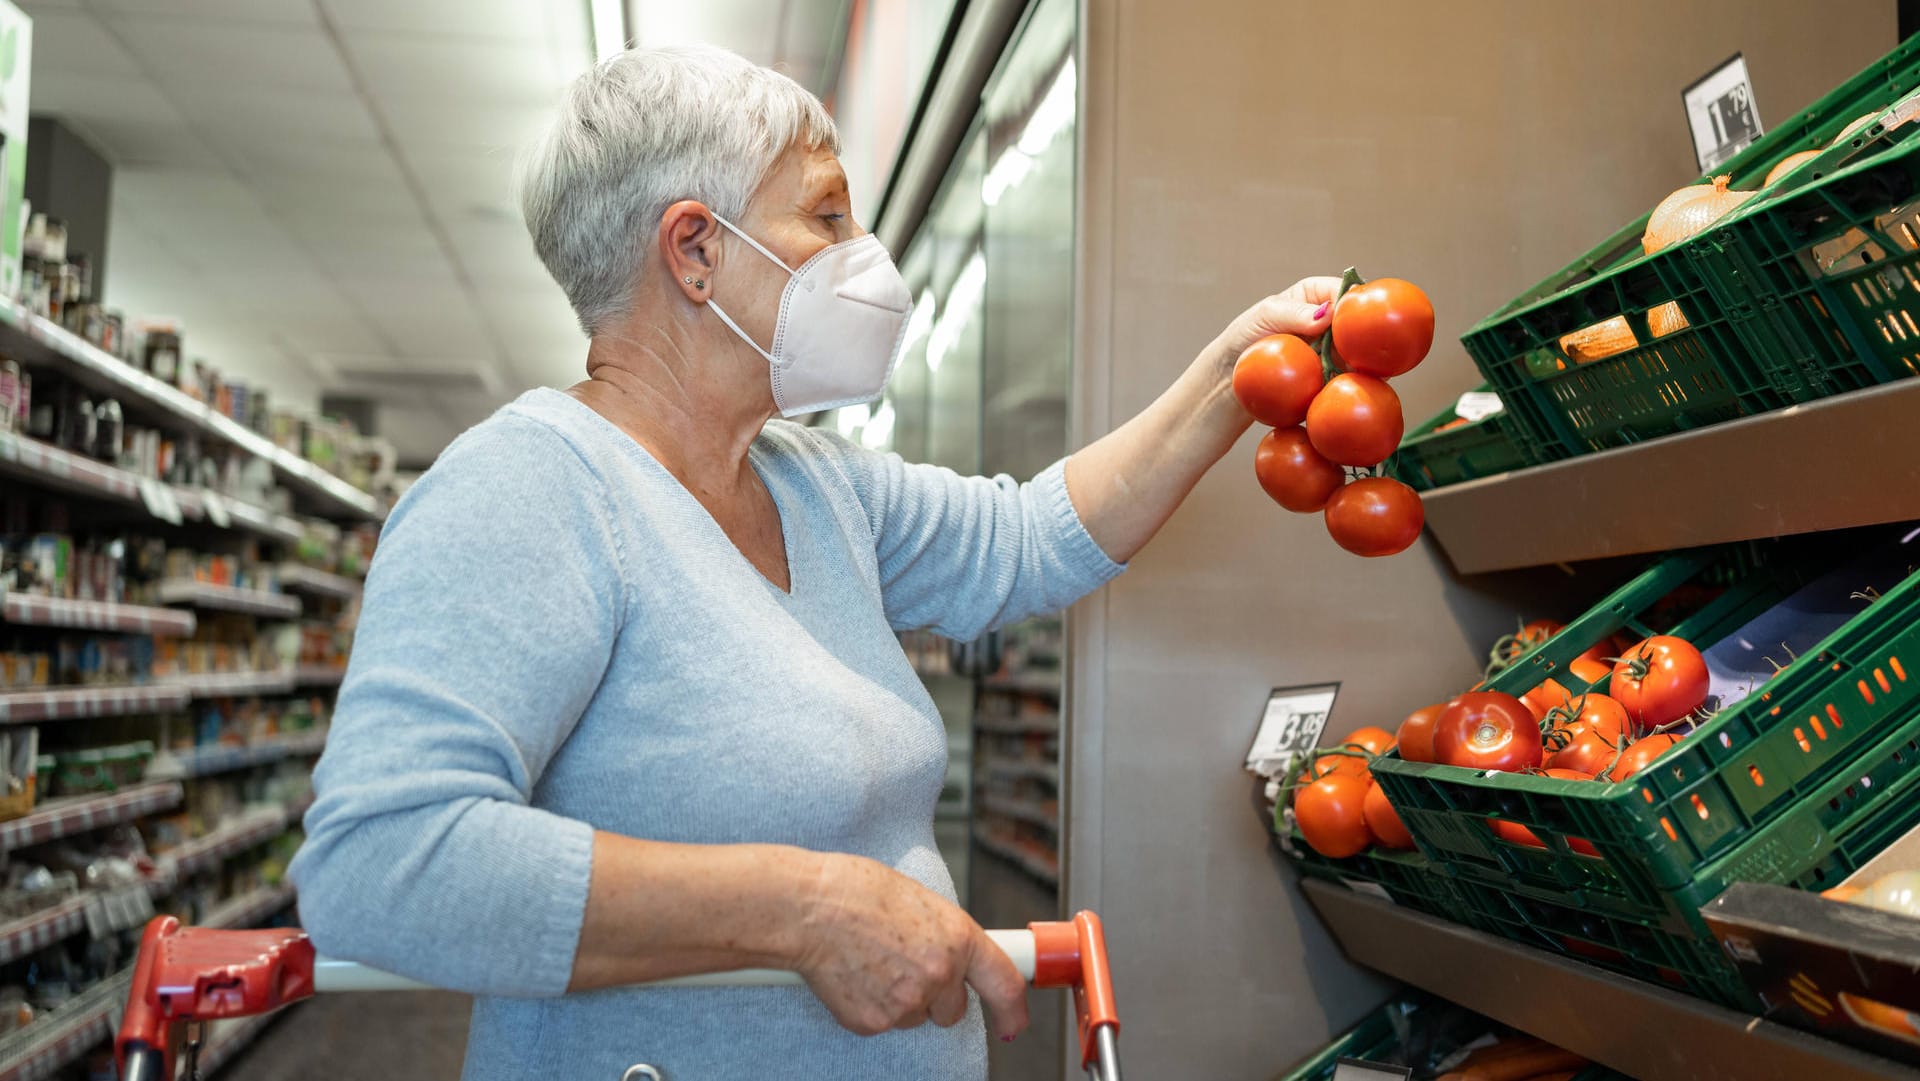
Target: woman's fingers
{"type": "Point", "coordinates": [1316, 290]}
{"type": "Point", "coordinates": [1000, 987]}
{"type": "Point", "coordinates": [949, 1006]}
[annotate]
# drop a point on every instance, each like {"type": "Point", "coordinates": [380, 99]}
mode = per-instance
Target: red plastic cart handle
{"type": "Point", "coordinates": [194, 974]}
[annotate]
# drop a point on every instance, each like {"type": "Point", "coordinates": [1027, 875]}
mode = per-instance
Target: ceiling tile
{"type": "Point", "coordinates": [428, 125]}
{"type": "Point", "coordinates": [263, 116]}
{"type": "Point", "coordinates": [511, 20]}
{"type": "Point", "coordinates": [77, 43]}
{"type": "Point", "coordinates": [463, 183]}
{"type": "Point", "coordinates": [352, 246]}
{"type": "Point", "coordinates": [295, 12]}
{"type": "Point", "coordinates": [207, 57]}
{"type": "Point", "coordinates": [130, 100]}
{"type": "Point", "coordinates": [303, 197]}
{"type": "Point", "coordinates": [496, 249]}
{"type": "Point", "coordinates": [398, 68]}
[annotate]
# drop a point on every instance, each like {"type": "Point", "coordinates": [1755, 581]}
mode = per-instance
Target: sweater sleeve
{"type": "Point", "coordinates": [963, 555]}
{"type": "Point", "coordinates": [487, 623]}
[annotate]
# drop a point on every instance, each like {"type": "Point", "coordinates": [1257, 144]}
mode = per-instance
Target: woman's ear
{"type": "Point", "coordinates": [690, 243]}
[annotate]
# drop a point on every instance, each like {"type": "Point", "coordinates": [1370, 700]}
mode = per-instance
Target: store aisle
{"type": "Point", "coordinates": [416, 1036]}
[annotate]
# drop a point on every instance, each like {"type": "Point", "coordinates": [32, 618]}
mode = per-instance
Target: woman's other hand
{"type": "Point", "coordinates": [884, 952]}
{"type": "Point", "coordinates": [1304, 308]}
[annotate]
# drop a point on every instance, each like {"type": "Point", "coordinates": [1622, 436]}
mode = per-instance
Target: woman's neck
{"type": "Point", "coordinates": [696, 423]}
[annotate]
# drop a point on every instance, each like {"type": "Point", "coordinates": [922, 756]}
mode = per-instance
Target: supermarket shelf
{"type": "Point", "coordinates": [43, 1048]}
{"type": "Point", "coordinates": [256, 602]}
{"type": "Point", "coordinates": [31, 610]}
{"type": "Point", "coordinates": [266, 523]}
{"type": "Point", "coordinates": [40, 343]}
{"type": "Point", "coordinates": [202, 761]}
{"type": "Point", "coordinates": [1022, 770]}
{"type": "Point", "coordinates": [320, 583]}
{"type": "Point", "coordinates": [1046, 872]}
{"type": "Point", "coordinates": [1009, 727]}
{"type": "Point", "coordinates": [1849, 460]}
{"type": "Point", "coordinates": [250, 908]}
{"type": "Point", "coordinates": [318, 675]}
{"type": "Point", "coordinates": [1582, 1008]}
{"type": "Point", "coordinates": [247, 830]}
{"type": "Point", "coordinates": [62, 817]}
{"type": "Point", "coordinates": [74, 703]}
{"type": "Point", "coordinates": [1046, 684]}
{"type": "Point", "coordinates": [229, 1037]}
{"type": "Point", "coordinates": [30, 934]}
{"type": "Point", "coordinates": [1018, 810]}
{"type": "Point", "coordinates": [239, 684]}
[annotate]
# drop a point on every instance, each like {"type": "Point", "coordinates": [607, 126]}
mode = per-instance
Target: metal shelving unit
{"type": "Point", "coordinates": [1584, 1009]}
{"type": "Point", "coordinates": [1850, 460]}
{"type": "Point", "coordinates": [61, 817]}
{"type": "Point", "coordinates": [205, 761]}
{"type": "Point", "coordinates": [43, 1048]}
{"type": "Point", "coordinates": [76, 703]}
{"type": "Point", "coordinates": [317, 582]}
{"type": "Point", "coordinates": [256, 602]}
{"type": "Point", "coordinates": [27, 609]}
{"type": "Point", "coordinates": [40, 343]}
{"type": "Point", "coordinates": [239, 684]}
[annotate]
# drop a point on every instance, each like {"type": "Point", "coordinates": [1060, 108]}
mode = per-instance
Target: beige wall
{"type": "Point", "coordinates": [1229, 148]}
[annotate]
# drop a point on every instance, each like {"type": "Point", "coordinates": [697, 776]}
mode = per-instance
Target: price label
{"type": "Point", "coordinates": [1290, 725]}
{"type": "Point", "coordinates": [1721, 113]}
{"type": "Point", "coordinates": [1477, 405]}
{"type": "Point", "coordinates": [216, 510]}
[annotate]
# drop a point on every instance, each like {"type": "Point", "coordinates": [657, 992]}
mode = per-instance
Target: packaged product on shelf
{"type": "Point", "coordinates": [160, 350]}
{"type": "Point", "coordinates": [19, 753]}
{"type": "Point", "coordinates": [9, 392]}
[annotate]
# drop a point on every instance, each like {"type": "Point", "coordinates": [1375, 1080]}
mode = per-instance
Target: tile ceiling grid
{"type": "Point", "coordinates": [115, 30]}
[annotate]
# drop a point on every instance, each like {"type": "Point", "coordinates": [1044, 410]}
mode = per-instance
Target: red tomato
{"type": "Point", "coordinates": [1487, 730]}
{"type": "Point", "coordinates": [1660, 681]}
{"type": "Point", "coordinates": [1332, 815]}
{"type": "Point", "coordinates": [1275, 379]}
{"type": "Point", "coordinates": [1293, 473]}
{"type": "Point", "coordinates": [1591, 740]}
{"type": "Point", "coordinates": [1355, 421]}
{"type": "Point", "coordinates": [1515, 833]}
{"type": "Point", "coordinates": [1375, 516]}
{"type": "Point", "coordinates": [1373, 739]}
{"type": "Point", "coordinates": [1416, 733]}
{"type": "Point", "coordinates": [1547, 697]}
{"type": "Point", "coordinates": [1326, 765]}
{"type": "Point", "coordinates": [1640, 756]}
{"type": "Point", "coordinates": [1383, 821]}
{"type": "Point", "coordinates": [1589, 670]}
{"type": "Point", "coordinates": [1383, 327]}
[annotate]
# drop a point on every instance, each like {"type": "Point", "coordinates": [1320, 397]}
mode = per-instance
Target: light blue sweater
{"type": "Point", "coordinates": [557, 638]}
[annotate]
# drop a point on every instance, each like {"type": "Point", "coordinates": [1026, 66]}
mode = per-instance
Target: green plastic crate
{"type": "Point", "coordinates": [1413, 1026]}
{"type": "Point", "coordinates": [1750, 340]}
{"type": "Point", "coordinates": [1405, 878]}
{"type": "Point", "coordinates": [1756, 762]}
{"type": "Point", "coordinates": [1429, 458]}
{"type": "Point", "coordinates": [1842, 826]}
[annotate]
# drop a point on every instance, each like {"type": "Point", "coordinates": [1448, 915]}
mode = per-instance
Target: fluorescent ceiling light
{"type": "Point", "coordinates": [609, 26]}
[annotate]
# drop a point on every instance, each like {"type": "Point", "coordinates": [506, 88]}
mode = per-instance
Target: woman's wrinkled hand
{"type": "Point", "coordinates": [884, 952]}
{"type": "Point", "coordinates": [1304, 308]}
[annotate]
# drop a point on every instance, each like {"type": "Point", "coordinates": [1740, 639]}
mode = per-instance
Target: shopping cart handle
{"type": "Point", "coordinates": [190, 974]}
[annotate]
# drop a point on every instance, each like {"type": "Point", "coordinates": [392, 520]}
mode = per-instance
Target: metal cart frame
{"type": "Point", "coordinates": [192, 975]}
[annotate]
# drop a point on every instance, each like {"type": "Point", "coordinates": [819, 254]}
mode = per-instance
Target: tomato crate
{"type": "Point", "coordinates": [1850, 820]}
{"type": "Point", "coordinates": [1416, 1030]}
{"type": "Point", "coordinates": [1757, 760]}
{"type": "Point", "coordinates": [1620, 346]}
{"type": "Point", "coordinates": [1405, 878]}
{"type": "Point", "coordinates": [1429, 458]}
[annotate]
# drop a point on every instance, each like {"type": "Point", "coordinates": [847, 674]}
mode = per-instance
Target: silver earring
{"type": "Point", "coordinates": [695, 284]}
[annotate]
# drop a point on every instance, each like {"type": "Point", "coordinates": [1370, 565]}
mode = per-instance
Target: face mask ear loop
{"type": "Point", "coordinates": [757, 246]}
{"type": "Point", "coordinates": [741, 334]}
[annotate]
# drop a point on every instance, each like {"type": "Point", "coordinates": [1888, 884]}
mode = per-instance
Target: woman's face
{"type": "Point", "coordinates": [801, 208]}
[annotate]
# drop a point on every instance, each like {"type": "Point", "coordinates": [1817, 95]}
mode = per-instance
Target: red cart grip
{"type": "Point", "coordinates": [195, 974]}
{"type": "Point", "coordinates": [1075, 955]}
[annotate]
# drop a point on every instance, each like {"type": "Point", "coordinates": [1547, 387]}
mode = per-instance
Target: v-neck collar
{"type": "Point", "coordinates": [755, 452]}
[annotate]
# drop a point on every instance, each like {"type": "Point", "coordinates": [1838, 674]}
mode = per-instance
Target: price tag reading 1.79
{"type": "Point", "coordinates": [1290, 725]}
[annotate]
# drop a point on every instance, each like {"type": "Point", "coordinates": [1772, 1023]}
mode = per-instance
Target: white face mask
{"type": "Point", "coordinates": [842, 318]}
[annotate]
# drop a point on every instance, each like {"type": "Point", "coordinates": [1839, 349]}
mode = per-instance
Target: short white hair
{"type": "Point", "coordinates": [640, 131]}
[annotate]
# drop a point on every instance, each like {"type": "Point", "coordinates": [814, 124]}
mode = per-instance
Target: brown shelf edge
{"type": "Point", "coordinates": [1587, 1010]}
{"type": "Point", "coordinates": [1849, 460]}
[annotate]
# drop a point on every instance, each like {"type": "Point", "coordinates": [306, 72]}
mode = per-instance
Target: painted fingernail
{"type": "Point", "coordinates": [1321, 311]}
{"type": "Point", "coordinates": [1006, 1039]}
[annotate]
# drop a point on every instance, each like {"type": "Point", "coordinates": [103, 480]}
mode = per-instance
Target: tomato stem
{"type": "Point", "coordinates": [1348, 279]}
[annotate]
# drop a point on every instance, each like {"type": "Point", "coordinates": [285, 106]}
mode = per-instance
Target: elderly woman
{"type": "Point", "coordinates": [626, 701]}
